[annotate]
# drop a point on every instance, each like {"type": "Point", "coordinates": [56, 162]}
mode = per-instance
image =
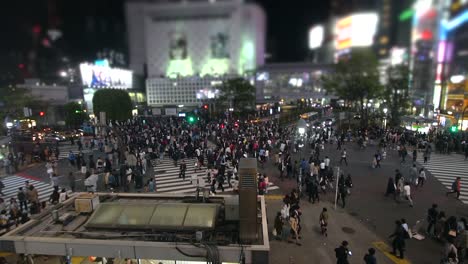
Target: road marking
{"type": "Point", "coordinates": [274, 197]}
{"type": "Point", "coordinates": [386, 250]}
{"type": "Point", "coordinates": [77, 260]}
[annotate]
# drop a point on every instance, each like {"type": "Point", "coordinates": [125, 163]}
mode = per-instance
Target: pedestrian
{"type": "Point", "coordinates": [183, 169]}
{"type": "Point", "coordinates": [71, 158]}
{"type": "Point", "coordinates": [342, 191]}
{"type": "Point", "coordinates": [369, 258]}
{"type": "Point", "coordinates": [413, 174]}
{"type": "Point", "coordinates": [71, 181]}
{"type": "Point", "coordinates": [398, 242]}
{"type": "Point", "coordinates": [422, 177]}
{"type": "Point", "coordinates": [344, 157]}
{"type": "Point", "coordinates": [391, 188]}
{"type": "Point", "coordinates": [278, 226]}
{"type": "Point", "coordinates": [21, 196]}
{"type": "Point", "coordinates": [2, 186]}
{"type": "Point", "coordinates": [323, 220]}
{"type": "Point", "coordinates": [450, 252]}
{"type": "Point", "coordinates": [294, 223]}
{"type": "Point", "coordinates": [456, 187]}
{"type": "Point", "coordinates": [407, 193]}
{"type": "Point", "coordinates": [342, 253]}
{"type": "Point", "coordinates": [432, 214]}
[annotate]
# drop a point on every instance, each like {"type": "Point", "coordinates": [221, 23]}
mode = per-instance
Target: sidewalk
{"type": "Point", "coordinates": [317, 248]}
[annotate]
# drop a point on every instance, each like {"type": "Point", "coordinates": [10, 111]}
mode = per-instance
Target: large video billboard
{"type": "Point", "coordinates": [357, 30]}
{"type": "Point", "coordinates": [95, 76]}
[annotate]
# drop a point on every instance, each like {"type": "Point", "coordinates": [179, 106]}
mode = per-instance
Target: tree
{"type": "Point", "coordinates": [115, 103]}
{"type": "Point", "coordinates": [238, 94]}
{"type": "Point", "coordinates": [74, 115]}
{"type": "Point", "coordinates": [355, 80]}
{"type": "Point", "coordinates": [397, 93]}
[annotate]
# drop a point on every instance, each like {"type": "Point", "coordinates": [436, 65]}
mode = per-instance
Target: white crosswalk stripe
{"type": "Point", "coordinates": [168, 181]}
{"type": "Point", "coordinates": [64, 150]}
{"type": "Point", "coordinates": [12, 183]}
{"type": "Point", "coordinates": [446, 168]}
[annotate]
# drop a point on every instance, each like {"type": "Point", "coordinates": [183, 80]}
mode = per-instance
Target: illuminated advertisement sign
{"type": "Point", "coordinates": [316, 37]}
{"type": "Point", "coordinates": [96, 76]}
{"type": "Point", "coordinates": [356, 30]}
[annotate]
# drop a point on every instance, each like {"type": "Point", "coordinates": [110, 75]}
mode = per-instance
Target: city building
{"type": "Point", "coordinates": [194, 38]}
{"type": "Point", "coordinates": [169, 229]}
{"type": "Point", "coordinates": [290, 82]}
{"type": "Point", "coordinates": [186, 92]}
{"type": "Point", "coordinates": [451, 85]}
{"type": "Point", "coordinates": [52, 97]}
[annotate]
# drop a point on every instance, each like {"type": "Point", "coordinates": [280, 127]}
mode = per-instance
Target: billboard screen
{"type": "Point", "coordinates": [97, 76]}
{"type": "Point", "coordinates": [356, 30]}
{"type": "Point", "coordinates": [316, 35]}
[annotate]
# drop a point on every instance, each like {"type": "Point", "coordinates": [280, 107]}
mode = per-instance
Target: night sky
{"type": "Point", "coordinates": [287, 21]}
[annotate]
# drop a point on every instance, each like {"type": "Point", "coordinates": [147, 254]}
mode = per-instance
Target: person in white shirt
{"type": "Point", "coordinates": [327, 161]}
{"type": "Point", "coordinates": [407, 193]}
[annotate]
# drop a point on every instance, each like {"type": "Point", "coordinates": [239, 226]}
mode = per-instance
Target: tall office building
{"type": "Point", "coordinates": [187, 38]}
{"type": "Point", "coordinates": [189, 47]}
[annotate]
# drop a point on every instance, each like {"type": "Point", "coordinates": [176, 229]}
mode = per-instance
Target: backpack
{"type": "Point", "coordinates": [454, 186]}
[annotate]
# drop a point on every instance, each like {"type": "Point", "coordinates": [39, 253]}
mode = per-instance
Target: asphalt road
{"type": "Point", "coordinates": [367, 202]}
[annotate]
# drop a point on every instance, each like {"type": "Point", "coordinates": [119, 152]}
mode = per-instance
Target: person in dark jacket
{"type": "Point", "coordinates": [369, 258]}
{"type": "Point", "coordinates": [398, 242]}
{"type": "Point", "coordinates": [342, 253]}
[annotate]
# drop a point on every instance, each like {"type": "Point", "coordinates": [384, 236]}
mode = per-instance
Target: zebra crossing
{"type": "Point", "coordinates": [446, 168]}
{"type": "Point", "coordinates": [167, 177]}
{"type": "Point", "coordinates": [12, 183]}
{"type": "Point", "coordinates": [64, 150]}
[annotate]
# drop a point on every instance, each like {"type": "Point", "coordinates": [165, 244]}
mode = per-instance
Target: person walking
{"type": "Point", "coordinates": [342, 191]}
{"type": "Point", "coordinates": [369, 258]}
{"type": "Point", "coordinates": [391, 188]}
{"type": "Point", "coordinates": [398, 242]}
{"type": "Point", "coordinates": [422, 177]}
{"type": "Point", "coordinates": [342, 253]}
{"type": "Point", "coordinates": [21, 196]}
{"type": "Point", "coordinates": [456, 187]}
{"type": "Point", "coordinates": [183, 169]}
{"type": "Point", "coordinates": [278, 226]}
{"type": "Point", "coordinates": [323, 220]}
{"type": "Point", "coordinates": [344, 157]}
{"type": "Point", "coordinates": [407, 193]}
{"type": "Point", "coordinates": [432, 214]}
{"type": "Point", "coordinates": [71, 181]}
{"type": "Point", "coordinates": [294, 223]}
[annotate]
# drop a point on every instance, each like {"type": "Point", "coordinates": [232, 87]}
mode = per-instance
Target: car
{"type": "Point", "coordinates": [316, 124]}
{"type": "Point", "coordinates": [357, 116]}
{"type": "Point", "coordinates": [54, 137]}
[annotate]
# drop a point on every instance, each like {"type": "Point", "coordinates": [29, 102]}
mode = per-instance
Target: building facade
{"type": "Point", "coordinates": [290, 82]}
{"type": "Point", "coordinates": [194, 38]}
{"type": "Point", "coordinates": [186, 91]}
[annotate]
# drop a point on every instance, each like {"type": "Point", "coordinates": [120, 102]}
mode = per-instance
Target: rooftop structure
{"type": "Point", "coordinates": [143, 226]}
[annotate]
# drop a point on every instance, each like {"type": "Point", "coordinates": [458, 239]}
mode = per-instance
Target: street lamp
{"type": "Point", "coordinates": [385, 110]}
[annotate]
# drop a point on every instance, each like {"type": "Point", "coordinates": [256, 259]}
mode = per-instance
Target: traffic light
{"type": "Point", "coordinates": [191, 119]}
{"type": "Point", "coordinates": [205, 107]}
{"type": "Point", "coordinates": [454, 129]}
{"type": "Point", "coordinates": [236, 124]}
{"type": "Point", "coordinates": [222, 125]}
{"type": "Point", "coordinates": [41, 113]}
{"type": "Point", "coordinates": [77, 111]}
